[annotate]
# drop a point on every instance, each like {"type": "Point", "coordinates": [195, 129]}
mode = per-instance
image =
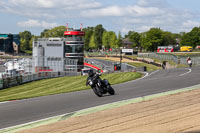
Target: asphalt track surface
{"type": "Point", "coordinates": [28, 110]}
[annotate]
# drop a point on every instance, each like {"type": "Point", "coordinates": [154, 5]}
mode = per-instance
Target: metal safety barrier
{"type": "Point", "coordinates": [21, 79]}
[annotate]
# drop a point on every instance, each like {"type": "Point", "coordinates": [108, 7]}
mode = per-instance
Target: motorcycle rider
{"type": "Point", "coordinates": [92, 74]}
{"type": "Point", "coordinates": [189, 61]}
{"type": "Point", "coordinates": [98, 85]}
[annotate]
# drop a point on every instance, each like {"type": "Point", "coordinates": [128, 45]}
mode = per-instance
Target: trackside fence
{"type": "Point", "coordinates": [7, 82]}
{"type": "Point", "coordinates": [160, 56]}
{"type": "Point", "coordinates": [174, 58]}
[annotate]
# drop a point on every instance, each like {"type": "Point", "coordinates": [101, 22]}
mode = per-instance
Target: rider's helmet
{"type": "Point", "coordinates": [90, 73]}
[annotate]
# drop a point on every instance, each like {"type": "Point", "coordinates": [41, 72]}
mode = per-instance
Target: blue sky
{"type": "Point", "coordinates": [115, 15]}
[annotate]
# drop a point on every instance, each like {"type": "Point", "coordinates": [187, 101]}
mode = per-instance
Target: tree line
{"type": "Point", "coordinates": [99, 38]}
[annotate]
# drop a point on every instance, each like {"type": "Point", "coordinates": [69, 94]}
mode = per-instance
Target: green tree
{"type": "Point", "coordinates": [142, 40]}
{"type": "Point", "coordinates": [152, 39]}
{"type": "Point", "coordinates": [98, 34]}
{"type": "Point", "coordinates": [191, 38]}
{"type": "Point", "coordinates": [168, 39]}
{"type": "Point", "coordinates": [92, 44]}
{"type": "Point", "coordinates": [106, 39]}
{"type": "Point", "coordinates": [88, 33]}
{"type": "Point", "coordinates": [31, 42]}
{"type": "Point", "coordinates": [25, 38]}
{"type": "Point", "coordinates": [109, 39]}
{"type": "Point", "coordinates": [119, 39]}
{"type": "Point", "coordinates": [44, 33]}
{"type": "Point", "coordinates": [54, 32]}
{"type": "Point", "coordinates": [22, 44]}
{"type": "Point", "coordinates": [135, 39]}
{"type": "Point", "coordinates": [129, 34]}
{"type": "Point", "coordinates": [113, 40]}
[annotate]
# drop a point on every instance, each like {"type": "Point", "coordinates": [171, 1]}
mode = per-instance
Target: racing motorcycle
{"type": "Point", "coordinates": [99, 86]}
{"type": "Point", "coordinates": [190, 63]}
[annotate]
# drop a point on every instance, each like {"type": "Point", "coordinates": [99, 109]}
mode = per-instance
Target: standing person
{"type": "Point", "coordinates": [189, 61]}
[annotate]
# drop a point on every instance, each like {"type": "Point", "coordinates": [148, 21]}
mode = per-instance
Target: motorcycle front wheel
{"type": "Point", "coordinates": [97, 91]}
{"type": "Point", "coordinates": [111, 91]}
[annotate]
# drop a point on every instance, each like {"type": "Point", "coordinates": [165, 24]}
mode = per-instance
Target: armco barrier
{"type": "Point", "coordinates": [1, 83]}
{"type": "Point", "coordinates": [30, 78]}
{"type": "Point", "coordinates": [62, 74]}
{"type": "Point", "coordinates": [13, 81]}
{"type": "Point", "coordinates": [35, 76]}
{"type": "Point", "coordinates": [17, 80]}
{"type": "Point", "coordinates": [24, 79]}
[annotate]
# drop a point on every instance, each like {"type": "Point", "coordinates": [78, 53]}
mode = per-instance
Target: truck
{"type": "Point", "coordinates": [186, 49]}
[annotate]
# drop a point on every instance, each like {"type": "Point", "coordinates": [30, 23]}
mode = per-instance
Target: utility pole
{"type": "Point", "coordinates": [120, 58]}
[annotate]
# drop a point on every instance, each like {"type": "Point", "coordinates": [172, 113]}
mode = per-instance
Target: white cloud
{"type": "Point", "coordinates": [2, 3]}
{"type": "Point", "coordinates": [85, 4]}
{"type": "Point", "coordinates": [36, 23]}
{"type": "Point", "coordinates": [190, 23]}
{"type": "Point", "coordinates": [46, 8]}
{"type": "Point", "coordinates": [144, 11]}
{"type": "Point", "coordinates": [58, 4]}
{"type": "Point", "coordinates": [123, 11]}
{"type": "Point", "coordinates": [138, 16]}
{"type": "Point", "coordinates": [144, 28]}
{"type": "Point", "coordinates": [142, 2]}
{"type": "Point", "coordinates": [133, 20]}
{"type": "Point", "coordinates": [153, 3]}
{"type": "Point", "coordinates": [125, 29]}
{"type": "Point", "coordinates": [102, 12]}
{"type": "Point", "coordinates": [32, 3]}
{"type": "Point", "coordinates": [149, 14]}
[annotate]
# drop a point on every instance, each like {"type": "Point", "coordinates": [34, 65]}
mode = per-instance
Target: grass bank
{"type": "Point", "coordinates": [150, 67]}
{"type": "Point", "coordinates": [60, 85]}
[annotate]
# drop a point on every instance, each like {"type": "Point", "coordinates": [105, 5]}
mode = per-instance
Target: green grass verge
{"type": "Point", "coordinates": [150, 67]}
{"type": "Point", "coordinates": [60, 85]}
{"type": "Point", "coordinates": [186, 54]}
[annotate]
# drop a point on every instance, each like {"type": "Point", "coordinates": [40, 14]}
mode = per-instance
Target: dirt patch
{"type": "Point", "coordinates": [116, 59]}
{"type": "Point", "coordinates": [178, 113]}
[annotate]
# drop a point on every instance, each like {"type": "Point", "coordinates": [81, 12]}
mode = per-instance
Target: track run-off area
{"type": "Point", "coordinates": [177, 112]}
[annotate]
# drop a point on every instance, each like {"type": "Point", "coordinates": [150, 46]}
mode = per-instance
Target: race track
{"type": "Point", "coordinates": [23, 111]}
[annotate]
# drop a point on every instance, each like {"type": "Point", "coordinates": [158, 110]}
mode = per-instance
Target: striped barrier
{"type": "Point", "coordinates": [92, 66]}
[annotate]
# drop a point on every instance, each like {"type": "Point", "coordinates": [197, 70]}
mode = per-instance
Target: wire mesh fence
{"type": "Point", "coordinates": [160, 56]}
{"type": "Point", "coordinates": [174, 58]}
{"type": "Point", "coordinates": [195, 60]}
{"type": "Point", "coordinates": [22, 66]}
{"type": "Point", "coordinates": [22, 70]}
